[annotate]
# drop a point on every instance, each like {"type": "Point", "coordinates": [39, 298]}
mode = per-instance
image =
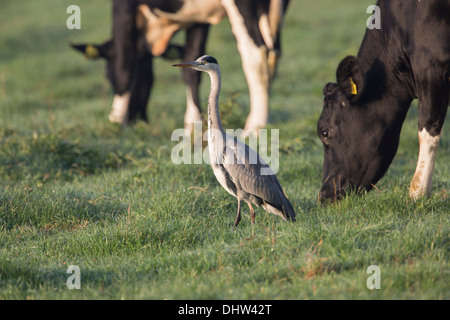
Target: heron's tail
{"type": "Point", "coordinates": [288, 209]}
{"type": "Point", "coordinates": [284, 209]}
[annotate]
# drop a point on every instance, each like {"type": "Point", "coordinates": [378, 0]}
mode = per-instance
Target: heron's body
{"type": "Point", "coordinates": [238, 168]}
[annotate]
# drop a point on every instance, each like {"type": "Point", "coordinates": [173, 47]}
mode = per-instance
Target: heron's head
{"type": "Point", "coordinates": [204, 63]}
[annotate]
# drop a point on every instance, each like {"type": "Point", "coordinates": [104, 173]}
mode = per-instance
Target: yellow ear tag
{"type": "Point", "coordinates": [353, 87]}
{"type": "Point", "coordinates": [91, 51]}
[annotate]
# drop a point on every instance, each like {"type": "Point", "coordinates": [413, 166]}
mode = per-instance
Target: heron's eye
{"type": "Point", "coordinates": [204, 62]}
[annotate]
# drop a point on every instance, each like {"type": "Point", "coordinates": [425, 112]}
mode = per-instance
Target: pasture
{"type": "Point", "coordinates": [77, 190]}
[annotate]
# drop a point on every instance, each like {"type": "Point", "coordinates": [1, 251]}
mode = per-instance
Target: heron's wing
{"type": "Point", "coordinates": [251, 174]}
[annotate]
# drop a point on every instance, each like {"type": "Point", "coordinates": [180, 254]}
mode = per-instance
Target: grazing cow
{"type": "Point", "coordinates": [363, 113]}
{"type": "Point", "coordinates": [143, 29]}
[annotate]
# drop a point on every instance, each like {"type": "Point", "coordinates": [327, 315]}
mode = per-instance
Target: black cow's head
{"type": "Point", "coordinates": [359, 145]}
{"type": "Point", "coordinates": [135, 106]}
{"type": "Point", "coordinates": [141, 74]}
{"type": "Point", "coordinates": [93, 51]}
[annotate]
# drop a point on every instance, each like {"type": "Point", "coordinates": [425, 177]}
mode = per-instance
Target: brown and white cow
{"type": "Point", "coordinates": [142, 29]}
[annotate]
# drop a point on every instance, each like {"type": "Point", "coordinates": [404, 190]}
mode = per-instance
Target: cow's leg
{"type": "Point", "coordinates": [433, 95]}
{"type": "Point", "coordinates": [276, 18]}
{"type": "Point", "coordinates": [142, 83]}
{"type": "Point", "coordinates": [243, 17]}
{"type": "Point", "coordinates": [195, 47]}
{"type": "Point", "coordinates": [270, 23]}
{"type": "Point", "coordinates": [422, 181]}
{"type": "Point", "coordinates": [125, 38]}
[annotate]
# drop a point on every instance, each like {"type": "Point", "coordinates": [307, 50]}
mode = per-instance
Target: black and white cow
{"type": "Point", "coordinates": [142, 29]}
{"type": "Point", "coordinates": [363, 113]}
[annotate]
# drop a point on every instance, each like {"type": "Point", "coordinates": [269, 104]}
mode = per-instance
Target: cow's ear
{"type": "Point", "coordinates": [350, 77]}
{"type": "Point", "coordinates": [93, 51]}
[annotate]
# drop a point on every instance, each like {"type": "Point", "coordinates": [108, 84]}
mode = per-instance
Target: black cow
{"type": "Point", "coordinates": [142, 29]}
{"type": "Point", "coordinates": [363, 113]}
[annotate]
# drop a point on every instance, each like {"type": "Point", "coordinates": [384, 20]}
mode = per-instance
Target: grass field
{"type": "Point", "coordinates": [77, 190]}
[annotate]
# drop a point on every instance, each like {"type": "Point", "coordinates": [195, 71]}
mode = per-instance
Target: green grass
{"type": "Point", "coordinates": [76, 190]}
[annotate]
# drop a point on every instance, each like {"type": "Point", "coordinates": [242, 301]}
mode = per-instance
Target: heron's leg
{"type": "Point", "coordinates": [238, 217]}
{"type": "Point", "coordinates": [252, 212]}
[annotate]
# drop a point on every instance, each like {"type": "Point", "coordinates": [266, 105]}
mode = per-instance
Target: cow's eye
{"type": "Point", "coordinates": [325, 134]}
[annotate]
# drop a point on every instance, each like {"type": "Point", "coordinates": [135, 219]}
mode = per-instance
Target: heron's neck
{"type": "Point", "coordinates": [213, 102]}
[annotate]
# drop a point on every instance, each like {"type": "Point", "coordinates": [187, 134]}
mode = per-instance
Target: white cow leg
{"type": "Point", "coordinates": [256, 69]}
{"type": "Point", "coordinates": [257, 73]}
{"type": "Point", "coordinates": [422, 181]}
{"type": "Point", "coordinates": [192, 113]}
{"type": "Point", "coordinates": [119, 112]}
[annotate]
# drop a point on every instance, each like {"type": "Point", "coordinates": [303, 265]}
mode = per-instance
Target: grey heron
{"type": "Point", "coordinates": [238, 168]}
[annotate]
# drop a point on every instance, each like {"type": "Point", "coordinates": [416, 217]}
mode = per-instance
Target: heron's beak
{"type": "Point", "coordinates": [190, 64]}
